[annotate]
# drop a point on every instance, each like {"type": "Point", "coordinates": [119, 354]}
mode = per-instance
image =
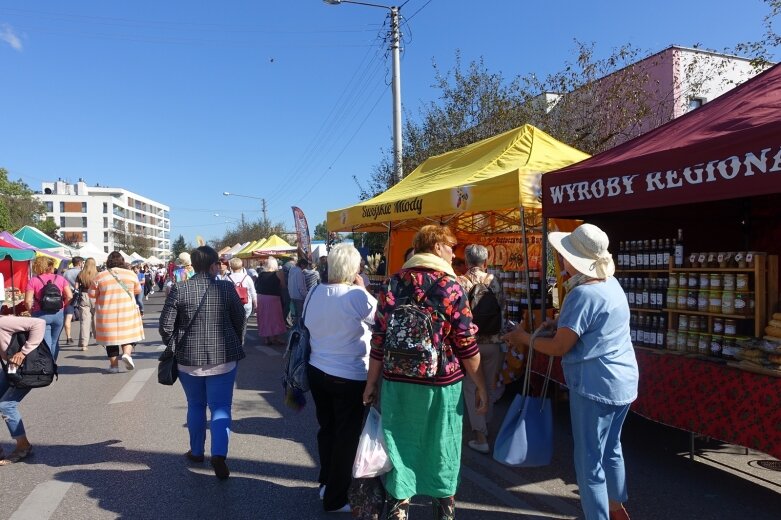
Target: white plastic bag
{"type": "Point", "coordinates": [371, 459]}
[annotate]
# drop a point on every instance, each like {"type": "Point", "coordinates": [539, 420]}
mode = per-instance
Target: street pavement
{"type": "Point", "coordinates": [111, 446]}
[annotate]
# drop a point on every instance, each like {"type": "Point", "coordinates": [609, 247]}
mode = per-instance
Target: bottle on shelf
{"type": "Point", "coordinates": [646, 254]}
{"type": "Point", "coordinates": [679, 249]}
{"type": "Point", "coordinates": [666, 253]}
{"type": "Point", "coordinates": [652, 255]}
{"type": "Point", "coordinates": [633, 254]}
{"type": "Point", "coordinates": [660, 264]}
{"type": "Point", "coordinates": [620, 256]}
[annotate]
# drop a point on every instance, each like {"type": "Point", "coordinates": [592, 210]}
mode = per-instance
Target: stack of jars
{"type": "Point", "coordinates": [517, 292]}
{"type": "Point", "coordinates": [714, 293]}
{"type": "Point", "coordinates": [695, 336]}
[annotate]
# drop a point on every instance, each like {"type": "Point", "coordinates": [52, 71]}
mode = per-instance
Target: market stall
{"type": "Point", "coordinates": [15, 271]}
{"type": "Point", "coordinates": [692, 210]}
{"type": "Point", "coordinates": [481, 191]}
{"type": "Point", "coordinates": [40, 240]}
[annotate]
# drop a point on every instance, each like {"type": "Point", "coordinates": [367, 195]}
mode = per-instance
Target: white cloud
{"type": "Point", "coordinates": [8, 36]}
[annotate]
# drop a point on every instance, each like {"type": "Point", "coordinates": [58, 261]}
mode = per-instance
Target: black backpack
{"type": "Point", "coordinates": [51, 297]}
{"type": "Point", "coordinates": [486, 311]}
{"type": "Point", "coordinates": [38, 369]}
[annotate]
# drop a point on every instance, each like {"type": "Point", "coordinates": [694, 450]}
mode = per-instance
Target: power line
{"type": "Point", "coordinates": [419, 10]}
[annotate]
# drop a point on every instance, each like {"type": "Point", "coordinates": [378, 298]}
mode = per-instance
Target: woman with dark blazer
{"type": "Point", "coordinates": [206, 353]}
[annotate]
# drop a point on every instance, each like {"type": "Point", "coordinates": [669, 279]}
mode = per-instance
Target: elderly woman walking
{"type": "Point", "coordinates": [422, 419]}
{"type": "Point", "coordinates": [269, 287]}
{"type": "Point", "coordinates": [118, 322]}
{"type": "Point", "coordinates": [84, 281]}
{"type": "Point", "coordinates": [474, 282]}
{"type": "Point", "coordinates": [204, 318]}
{"type": "Point", "coordinates": [339, 315]}
{"type": "Point", "coordinates": [599, 365]}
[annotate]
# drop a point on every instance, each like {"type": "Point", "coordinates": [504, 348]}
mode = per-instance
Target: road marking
{"type": "Point", "coordinates": [160, 347]}
{"type": "Point", "coordinates": [42, 502]}
{"type": "Point", "coordinates": [128, 392]}
{"type": "Point", "coordinates": [518, 505]}
{"type": "Point", "coordinates": [269, 351]}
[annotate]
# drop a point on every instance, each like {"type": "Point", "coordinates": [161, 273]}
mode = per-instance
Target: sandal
{"type": "Point", "coordinates": [16, 456]}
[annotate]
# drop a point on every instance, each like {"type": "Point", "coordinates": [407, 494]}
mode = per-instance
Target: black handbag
{"type": "Point", "coordinates": [167, 370]}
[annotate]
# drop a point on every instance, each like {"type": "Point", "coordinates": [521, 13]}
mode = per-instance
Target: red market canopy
{"type": "Point", "coordinates": [730, 148]}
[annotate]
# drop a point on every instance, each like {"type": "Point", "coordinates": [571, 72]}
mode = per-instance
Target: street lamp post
{"type": "Point", "coordinates": [395, 44]}
{"type": "Point", "coordinates": [261, 199]}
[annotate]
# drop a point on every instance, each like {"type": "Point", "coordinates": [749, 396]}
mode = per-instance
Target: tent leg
{"type": "Point", "coordinates": [529, 297]}
{"type": "Point", "coordinates": [544, 268]}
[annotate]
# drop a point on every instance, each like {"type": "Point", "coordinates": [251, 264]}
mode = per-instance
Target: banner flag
{"type": "Point", "coordinates": [302, 233]}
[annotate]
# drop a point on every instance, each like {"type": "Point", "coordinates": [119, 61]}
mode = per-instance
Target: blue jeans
{"type": "Point", "coordinates": [599, 461]}
{"type": "Point", "coordinates": [54, 324]}
{"type": "Point", "coordinates": [217, 393]}
{"type": "Point", "coordinates": [9, 406]}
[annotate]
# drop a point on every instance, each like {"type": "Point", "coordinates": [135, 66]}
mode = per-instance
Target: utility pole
{"type": "Point", "coordinates": [398, 172]}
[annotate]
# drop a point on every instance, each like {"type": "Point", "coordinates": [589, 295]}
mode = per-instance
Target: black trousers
{"type": "Point", "coordinates": [340, 410]}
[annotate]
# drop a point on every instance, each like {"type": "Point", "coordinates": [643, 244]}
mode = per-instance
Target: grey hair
{"type": "Point", "coordinates": [344, 262]}
{"type": "Point", "coordinates": [475, 255]}
{"type": "Point", "coordinates": [270, 265]}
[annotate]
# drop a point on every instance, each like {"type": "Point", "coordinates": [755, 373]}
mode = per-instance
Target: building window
{"type": "Point", "coordinates": [49, 206]}
{"type": "Point", "coordinates": [105, 222]}
{"type": "Point", "coordinates": [105, 207]}
{"type": "Point", "coordinates": [83, 221]}
{"type": "Point", "coordinates": [105, 236]}
{"type": "Point", "coordinates": [105, 249]}
{"type": "Point", "coordinates": [84, 207]}
{"type": "Point", "coordinates": [695, 103]}
{"type": "Point", "coordinates": [62, 221]}
{"type": "Point", "coordinates": [62, 207]}
{"type": "Point", "coordinates": [84, 236]}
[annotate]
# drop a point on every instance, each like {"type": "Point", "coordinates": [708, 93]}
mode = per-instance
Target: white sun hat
{"type": "Point", "coordinates": [586, 249]}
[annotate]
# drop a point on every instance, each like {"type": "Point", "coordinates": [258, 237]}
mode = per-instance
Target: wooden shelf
{"type": "Point", "coordinates": [711, 270]}
{"type": "Point", "coordinates": [715, 315]}
{"type": "Point", "coordinates": [650, 311]}
{"type": "Point", "coordinates": [642, 271]}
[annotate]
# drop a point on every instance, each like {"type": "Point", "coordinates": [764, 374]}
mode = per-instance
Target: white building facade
{"type": "Point", "coordinates": [104, 217]}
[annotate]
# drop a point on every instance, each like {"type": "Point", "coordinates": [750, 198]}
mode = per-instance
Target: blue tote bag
{"type": "Point", "coordinates": [526, 436]}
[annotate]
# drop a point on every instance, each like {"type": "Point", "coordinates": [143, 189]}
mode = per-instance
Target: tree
{"type": "Point", "coordinates": [19, 207]}
{"type": "Point", "coordinates": [321, 231]}
{"type": "Point", "coordinates": [761, 51]}
{"type": "Point", "coordinates": [248, 231]}
{"type": "Point", "coordinates": [179, 246]}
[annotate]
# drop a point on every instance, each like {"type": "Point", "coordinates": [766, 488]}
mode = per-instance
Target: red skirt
{"type": "Point", "coordinates": [269, 313]}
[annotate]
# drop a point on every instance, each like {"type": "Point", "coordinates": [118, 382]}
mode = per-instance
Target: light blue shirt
{"type": "Point", "coordinates": [602, 365]}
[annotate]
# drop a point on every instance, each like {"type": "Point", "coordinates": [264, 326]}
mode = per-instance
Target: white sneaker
{"type": "Point", "coordinates": [480, 447]}
{"type": "Point", "coordinates": [113, 370]}
{"type": "Point", "coordinates": [128, 362]}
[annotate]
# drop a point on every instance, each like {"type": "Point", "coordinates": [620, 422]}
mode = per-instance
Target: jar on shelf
{"type": "Point", "coordinates": [729, 346]}
{"type": "Point", "coordinates": [714, 298]}
{"type": "Point", "coordinates": [703, 344]}
{"type": "Point", "coordinates": [703, 298]}
{"type": "Point", "coordinates": [681, 340]}
{"type": "Point", "coordinates": [695, 324]}
{"type": "Point", "coordinates": [742, 305]}
{"type": "Point", "coordinates": [695, 260]}
{"type": "Point", "coordinates": [721, 258]}
{"type": "Point", "coordinates": [691, 299]}
{"type": "Point", "coordinates": [672, 339]}
{"type": "Point", "coordinates": [683, 323]}
{"type": "Point", "coordinates": [728, 281]}
{"type": "Point", "coordinates": [715, 281]}
{"type": "Point", "coordinates": [704, 281]}
{"type": "Point", "coordinates": [716, 345]}
{"type": "Point", "coordinates": [741, 282]}
{"type": "Point", "coordinates": [692, 342]}
{"type": "Point", "coordinates": [730, 328]}
{"type": "Point", "coordinates": [682, 298]}
{"type": "Point", "coordinates": [693, 280]}
{"type": "Point", "coordinates": [740, 259]}
{"type": "Point", "coordinates": [673, 281]}
{"type": "Point", "coordinates": [728, 302]}
{"type": "Point", "coordinates": [683, 280]}
{"type": "Point", "coordinates": [672, 298]}
{"type": "Point", "coordinates": [717, 326]}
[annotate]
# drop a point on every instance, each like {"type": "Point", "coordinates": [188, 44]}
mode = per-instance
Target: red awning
{"type": "Point", "coordinates": [730, 148]}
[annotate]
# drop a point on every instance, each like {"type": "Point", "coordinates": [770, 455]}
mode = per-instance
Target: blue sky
{"type": "Point", "coordinates": [285, 100]}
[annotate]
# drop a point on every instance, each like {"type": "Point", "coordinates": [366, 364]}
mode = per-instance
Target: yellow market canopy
{"type": "Point", "coordinates": [501, 173]}
{"type": "Point", "coordinates": [246, 251]}
{"type": "Point", "coordinates": [274, 245]}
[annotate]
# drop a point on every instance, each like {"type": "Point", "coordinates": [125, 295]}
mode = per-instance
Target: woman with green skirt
{"type": "Point", "coordinates": [422, 413]}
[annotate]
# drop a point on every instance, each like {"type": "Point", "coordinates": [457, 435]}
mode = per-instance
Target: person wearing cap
{"type": "Point", "coordinates": [599, 364]}
{"type": "Point", "coordinates": [185, 270]}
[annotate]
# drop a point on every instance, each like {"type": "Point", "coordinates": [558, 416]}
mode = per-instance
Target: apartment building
{"type": "Point", "coordinates": [110, 218]}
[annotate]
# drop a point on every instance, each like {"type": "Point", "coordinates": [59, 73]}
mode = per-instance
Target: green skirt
{"type": "Point", "coordinates": [422, 426]}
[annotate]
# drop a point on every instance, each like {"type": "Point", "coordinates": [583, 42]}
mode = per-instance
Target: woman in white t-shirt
{"type": "Point", "coordinates": [339, 315]}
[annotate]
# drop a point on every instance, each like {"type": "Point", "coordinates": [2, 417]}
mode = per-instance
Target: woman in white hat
{"type": "Point", "coordinates": [599, 367]}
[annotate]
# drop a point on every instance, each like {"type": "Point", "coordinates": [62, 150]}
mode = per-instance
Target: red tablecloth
{"type": "Point", "coordinates": [704, 397]}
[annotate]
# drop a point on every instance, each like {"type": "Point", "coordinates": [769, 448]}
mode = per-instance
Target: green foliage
{"type": "Point", "coordinates": [321, 231]}
{"type": "Point", "coordinates": [762, 51]}
{"type": "Point", "coordinates": [179, 246]}
{"type": "Point", "coordinates": [19, 207]}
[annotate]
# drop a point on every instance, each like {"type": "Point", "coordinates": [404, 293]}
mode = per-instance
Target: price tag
{"type": "Point", "coordinates": [701, 258]}
{"type": "Point", "coordinates": [721, 257]}
{"type": "Point", "coordinates": [749, 257]}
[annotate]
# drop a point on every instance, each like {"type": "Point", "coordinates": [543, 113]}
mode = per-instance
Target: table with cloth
{"type": "Point", "coordinates": [703, 396]}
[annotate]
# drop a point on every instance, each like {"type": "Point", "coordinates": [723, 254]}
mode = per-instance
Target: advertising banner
{"type": "Point", "coordinates": [302, 233]}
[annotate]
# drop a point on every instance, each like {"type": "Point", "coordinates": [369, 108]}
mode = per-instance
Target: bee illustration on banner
{"type": "Point", "coordinates": [460, 197]}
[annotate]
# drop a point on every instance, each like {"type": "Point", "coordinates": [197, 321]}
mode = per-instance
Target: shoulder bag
{"type": "Point", "coordinates": [526, 436]}
{"type": "Point", "coordinates": [167, 371]}
{"type": "Point", "coordinates": [296, 359]}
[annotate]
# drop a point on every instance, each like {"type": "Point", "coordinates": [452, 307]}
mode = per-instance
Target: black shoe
{"type": "Point", "coordinates": [220, 468]}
